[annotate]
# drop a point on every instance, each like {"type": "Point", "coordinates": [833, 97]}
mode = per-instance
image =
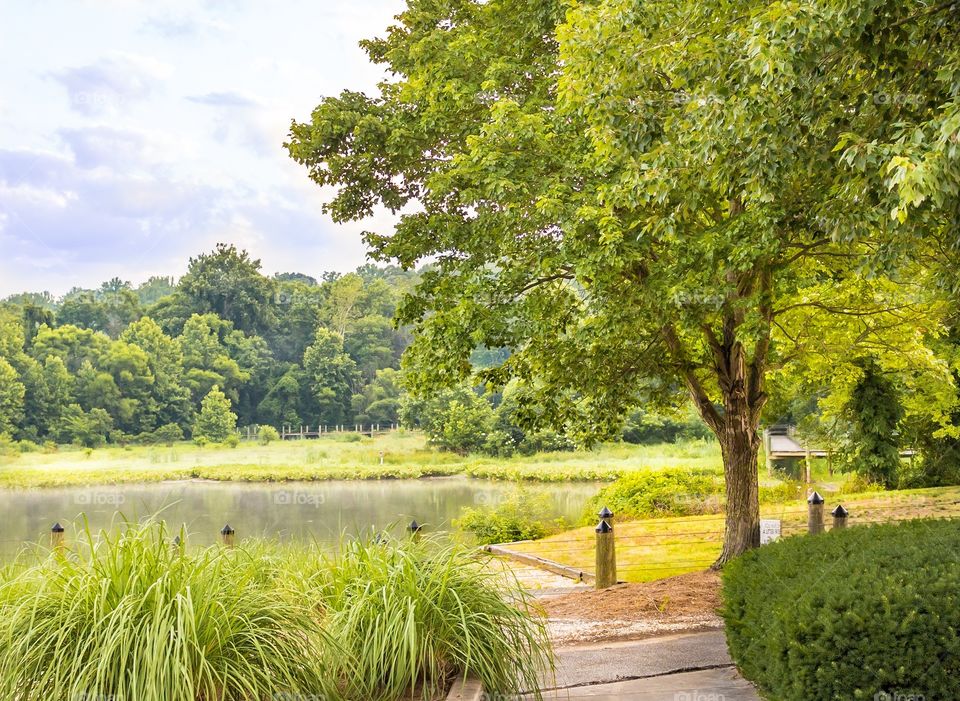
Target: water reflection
{"type": "Point", "coordinates": [311, 510]}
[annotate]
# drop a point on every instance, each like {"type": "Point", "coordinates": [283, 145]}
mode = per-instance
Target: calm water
{"type": "Point", "coordinates": [310, 510]}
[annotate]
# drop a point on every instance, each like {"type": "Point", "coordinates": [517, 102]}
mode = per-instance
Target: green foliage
{"type": "Point", "coordinates": [267, 435]}
{"type": "Point", "coordinates": [874, 413]}
{"type": "Point", "coordinates": [332, 375]}
{"type": "Point", "coordinates": [457, 420]}
{"type": "Point", "coordinates": [520, 516]}
{"type": "Point", "coordinates": [411, 616]}
{"type": "Point", "coordinates": [228, 283]}
{"type": "Point", "coordinates": [858, 613]}
{"type": "Point", "coordinates": [645, 428]}
{"type": "Point", "coordinates": [206, 624]}
{"type": "Point", "coordinates": [645, 199]}
{"type": "Point", "coordinates": [215, 422]}
{"type": "Point", "coordinates": [12, 393]}
{"type": "Point", "coordinates": [659, 493]}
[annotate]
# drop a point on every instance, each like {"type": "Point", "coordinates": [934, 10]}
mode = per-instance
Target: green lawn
{"type": "Point", "coordinates": [657, 548]}
{"type": "Point", "coordinates": [405, 454]}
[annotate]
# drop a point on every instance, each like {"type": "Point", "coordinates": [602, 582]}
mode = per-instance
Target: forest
{"type": "Point", "coordinates": [122, 363]}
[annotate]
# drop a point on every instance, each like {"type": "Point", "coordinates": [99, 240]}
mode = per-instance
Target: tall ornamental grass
{"type": "Point", "coordinates": [129, 616]}
{"type": "Point", "coordinates": [132, 618]}
{"type": "Point", "coordinates": [412, 616]}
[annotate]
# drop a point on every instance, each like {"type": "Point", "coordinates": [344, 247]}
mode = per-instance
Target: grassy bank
{"type": "Point", "coordinates": [405, 455]}
{"type": "Point", "coordinates": [657, 548]}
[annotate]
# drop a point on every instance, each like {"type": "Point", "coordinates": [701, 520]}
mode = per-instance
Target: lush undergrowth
{"type": "Point", "coordinates": [523, 515]}
{"type": "Point", "coordinates": [134, 617]}
{"type": "Point", "coordinates": [672, 492]}
{"type": "Point", "coordinates": [863, 613]}
{"type": "Point", "coordinates": [337, 456]}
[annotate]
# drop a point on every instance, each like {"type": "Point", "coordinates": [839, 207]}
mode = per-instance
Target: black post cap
{"type": "Point", "coordinates": [176, 540]}
{"type": "Point", "coordinates": [605, 512]}
{"type": "Point", "coordinates": [226, 530]}
{"type": "Point", "coordinates": [840, 512]}
{"type": "Point", "coordinates": [604, 527]}
{"type": "Point", "coordinates": [815, 498]}
{"type": "Point", "coordinates": [414, 526]}
{"type": "Point", "coordinates": [57, 528]}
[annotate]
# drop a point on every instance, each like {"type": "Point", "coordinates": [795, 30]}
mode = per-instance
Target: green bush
{"type": "Point", "coordinates": [655, 493]}
{"type": "Point", "coordinates": [860, 613]}
{"type": "Point", "coordinates": [268, 434]}
{"type": "Point", "coordinates": [520, 516]}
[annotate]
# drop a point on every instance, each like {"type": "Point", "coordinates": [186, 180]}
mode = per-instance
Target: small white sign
{"type": "Point", "coordinates": [769, 530]}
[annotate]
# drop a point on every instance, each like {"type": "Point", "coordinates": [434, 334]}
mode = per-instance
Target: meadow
{"type": "Point", "coordinates": [405, 454]}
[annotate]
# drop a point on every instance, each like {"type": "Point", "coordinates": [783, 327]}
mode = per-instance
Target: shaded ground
{"type": "Point", "coordinates": [637, 610]}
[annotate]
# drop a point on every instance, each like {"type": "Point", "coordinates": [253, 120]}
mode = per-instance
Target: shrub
{"type": "Point", "coordinates": [215, 421]}
{"type": "Point", "coordinates": [860, 613]}
{"type": "Point", "coordinates": [654, 493]}
{"type": "Point", "coordinates": [268, 434]}
{"type": "Point", "coordinates": [232, 441]}
{"type": "Point", "coordinates": [411, 616]}
{"type": "Point", "coordinates": [521, 516]}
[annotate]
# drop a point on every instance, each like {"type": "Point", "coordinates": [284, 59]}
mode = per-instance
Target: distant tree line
{"type": "Point", "coordinates": [123, 363]}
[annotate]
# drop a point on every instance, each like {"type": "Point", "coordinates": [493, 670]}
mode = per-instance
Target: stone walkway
{"type": "Point", "coordinates": [689, 667]}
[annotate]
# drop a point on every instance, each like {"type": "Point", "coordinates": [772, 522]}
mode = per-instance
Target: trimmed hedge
{"type": "Point", "coordinates": [860, 613]}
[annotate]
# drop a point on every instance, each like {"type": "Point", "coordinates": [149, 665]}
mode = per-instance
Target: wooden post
{"type": "Point", "coordinates": [815, 514]}
{"type": "Point", "coordinates": [415, 531]}
{"type": "Point", "coordinates": [56, 537]}
{"type": "Point", "coordinates": [606, 556]}
{"type": "Point", "coordinates": [840, 517]}
{"type": "Point", "coordinates": [807, 465]}
{"type": "Point", "coordinates": [381, 457]}
{"type": "Point", "coordinates": [228, 535]}
{"type": "Point", "coordinates": [766, 452]}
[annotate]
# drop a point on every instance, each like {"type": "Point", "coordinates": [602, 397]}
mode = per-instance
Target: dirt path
{"type": "Point", "coordinates": [684, 603]}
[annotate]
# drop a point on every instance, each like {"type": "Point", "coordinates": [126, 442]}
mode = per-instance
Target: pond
{"type": "Point", "coordinates": [318, 511]}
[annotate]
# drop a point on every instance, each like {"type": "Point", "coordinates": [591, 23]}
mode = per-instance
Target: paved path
{"type": "Point", "coordinates": [691, 667]}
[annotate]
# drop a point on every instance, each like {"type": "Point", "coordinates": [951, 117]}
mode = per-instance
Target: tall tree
{"type": "Point", "coordinates": [639, 198]}
{"type": "Point", "coordinates": [228, 282]}
{"type": "Point", "coordinates": [331, 374]}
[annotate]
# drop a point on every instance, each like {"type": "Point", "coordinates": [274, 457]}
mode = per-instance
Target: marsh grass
{"type": "Point", "coordinates": [128, 615]}
{"type": "Point", "coordinates": [405, 455]}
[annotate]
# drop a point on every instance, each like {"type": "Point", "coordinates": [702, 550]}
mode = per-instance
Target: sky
{"type": "Point", "coordinates": [136, 134]}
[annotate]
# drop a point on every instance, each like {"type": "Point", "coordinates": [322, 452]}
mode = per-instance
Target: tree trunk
{"type": "Point", "coordinates": [740, 446]}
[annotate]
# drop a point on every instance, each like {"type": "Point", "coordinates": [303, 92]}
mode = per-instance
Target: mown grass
{"type": "Point", "coordinates": [405, 455]}
{"type": "Point", "coordinates": [652, 549]}
{"type": "Point", "coordinates": [128, 615]}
